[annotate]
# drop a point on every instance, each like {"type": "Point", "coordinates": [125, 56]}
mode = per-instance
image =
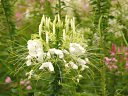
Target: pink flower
{"type": "Point", "coordinates": [29, 87]}
{"type": "Point", "coordinates": [18, 14]}
{"type": "Point", "coordinates": [126, 65]}
{"type": "Point", "coordinates": [8, 80]}
{"type": "Point", "coordinates": [85, 6]}
{"type": "Point", "coordinates": [114, 59]}
{"type": "Point", "coordinates": [22, 82]}
{"type": "Point", "coordinates": [119, 50]}
{"type": "Point", "coordinates": [115, 67]}
{"type": "Point", "coordinates": [111, 63]}
{"type": "Point", "coordinates": [42, 1]}
{"type": "Point", "coordinates": [107, 60]}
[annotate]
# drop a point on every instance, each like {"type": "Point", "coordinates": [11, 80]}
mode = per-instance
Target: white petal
{"type": "Point", "coordinates": [73, 65]}
{"type": "Point", "coordinates": [34, 47]}
{"type": "Point", "coordinates": [66, 65]}
{"type": "Point", "coordinates": [28, 62]}
{"type": "Point", "coordinates": [84, 67]}
{"type": "Point", "coordinates": [76, 49]}
{"type": "Point", "coordinates": [81, 61]}
{"type": "Point", "coordinates": [65, 51]}
{"type": "Point", "coordinates": [87, 60]}
{"type": "Point", "coordinates": [51, 68]}
{"type": "Point", "coordinates": [52, 51]}
{"type": "Point", "coordinates": [48, 55]}
{"type": "Point", "coordinates": [29, 57]}
{"type": "Point", "coordinates": [47, 65]}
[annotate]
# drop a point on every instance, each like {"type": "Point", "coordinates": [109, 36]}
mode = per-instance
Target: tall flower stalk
{"type": "Point", "coordinates": [101, 10]}
{"type": "Point", "coordinates": [59, 49]}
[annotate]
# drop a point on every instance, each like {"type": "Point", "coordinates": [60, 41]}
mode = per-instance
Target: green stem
{"type": "Point", "coordinates": [56, 87]}
{"type": "Point", "coordinates": [103, 70]}
{"type": "Point", "coordinates": [125, 41]}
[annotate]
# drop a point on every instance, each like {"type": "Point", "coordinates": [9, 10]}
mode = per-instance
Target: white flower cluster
{"type": "Point", "coordinates": [37, 53]}
{"type": "Point", "coordinates": [76, 49]}
{"type": "Point", "coordinates": [115, 27]}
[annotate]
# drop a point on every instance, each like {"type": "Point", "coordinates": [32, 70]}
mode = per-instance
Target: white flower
{"type": "Point", "coordinates": [65, 51]}
{"type": "Point", "coordinates": [57, 52]}
{"type": "Point", "coordinates": [78, 78]}
{"type": "Point", "coordinates": [35, 49]}
{"type": "Point", "coordinates": [73, 65]}
{"type": "Point", "coordinates": [33, 46]}
{"type": "Point", "coordinates": [48, 55]}
{"type": "Point", "coordinates": [30, 74]}
{"type": "Point", "coordinates": [67, 65]}
{"type": "Point", "coordinates": [76, 49]}
{"type": "Point", "coordinates": [47, 65]}
{"type": "Point", "coordinates": [87, 60]}
{"type": "Point", "coordinates": [28, 62]}
{"type": "Point", "coordinates": [84, 67]}
{"type": "Point", "coordinates": [29, 57]}
{"type": "Point", "coordinates": [81, 61]}
{"type": "Point", "coordinates": [52, 51]}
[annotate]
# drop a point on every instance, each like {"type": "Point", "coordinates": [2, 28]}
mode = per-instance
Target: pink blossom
{"type": "Point", "coordinates": [114, 59]}
{"type": "Point", "coordinates": [126, 65]}
{"type": "Point", "coordinates": [85, 6]}
{"type": "Point", "coordinates": [29, 87]}
{"type": "Point", "coordinates": [115, 67]}
{"type": "Point", "coordinates": [119, 50]}
{"type": "Point", "coordinates": [111, 63]}
{"type": "Point", "coordinates": [126, 53]}
{"type": "Point", "coordinates": [107, 60]}
{"type": "Point", "coordinates": [42, 1]}
{"type": "Point", "coordinates": [18, 15]}
{"type": "Point", "coordinates": [8, 80]}
{"type": "Point", "coordinates": [22, 82]}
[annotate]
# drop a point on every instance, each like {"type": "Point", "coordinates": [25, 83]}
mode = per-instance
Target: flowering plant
{"type": "Point", "coordinates": [57, 54]}
{"type": "Point", "coordinates": [118, 60]}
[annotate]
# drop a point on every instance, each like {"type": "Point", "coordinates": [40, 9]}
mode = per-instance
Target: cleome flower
{"type": "Point", "coordinates": [47, 65]}
{"type": "Point", "coordinates": [30, 74]}
{"type": "Point", "coordinates": [82, 63]}
{"type": "Point", "coordinates": [35, 51]}
{"type": "Point", "coordinates": [73, 65]}
{"type": "Point", "coordinates": [57, 52]}
{"type": "Point", "coordinates": [34, 47]}
{"type": "Point", "coordinates": [76, 49]}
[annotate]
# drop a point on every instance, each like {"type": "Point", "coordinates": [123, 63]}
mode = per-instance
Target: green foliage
{"type": "Point", "coordinates": [101, 8]}
{"type": "Point", "coordinates": [7, 30]}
